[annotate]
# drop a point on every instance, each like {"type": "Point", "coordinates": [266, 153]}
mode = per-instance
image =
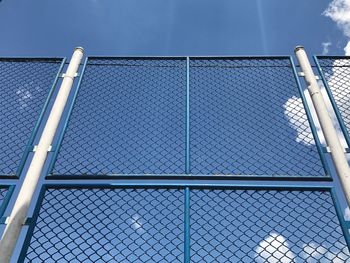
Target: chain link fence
{"type": "Point", "coordinates": [169, 117]}
{"type": "Point", "coordinates": [128, 118]}
{"type": "Point", "coordinates": [335, 73]}
{"type": "Point", "coordinates": [248, 118]}
{"type": "Point", "coordinates": [265, 226]}
{"type": "Point", "coordinates": [78, 224]}
{"type": "Point", "coordinates": [204, 116]}
{"type": "Point", "coordinates": [24, 87]}
{"type": "Point", "coordinates": [104, 225]}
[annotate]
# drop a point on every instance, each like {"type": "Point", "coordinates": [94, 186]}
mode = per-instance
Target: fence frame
{"type": "Point", "coordinates": [32, 135]}
{"type": "Point", "coordinates": [186, 187]}
{"type": "Point", "coordinates": [58, 143]}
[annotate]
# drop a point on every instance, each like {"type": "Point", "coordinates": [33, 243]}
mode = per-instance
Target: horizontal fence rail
{"type": "Point", "coordinates": [24, 87]}
{"type": "Point", "coordinates": [142, 224]}
{"type": "Point", "coordinates": [194, 116]}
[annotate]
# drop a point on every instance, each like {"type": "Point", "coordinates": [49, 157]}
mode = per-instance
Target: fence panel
{"type": "Point", "coordinates": [24, 87]}
{"type": "Point", "coordinates": [211, 116]}
{"type": "Point", "coordinates": [265, 226]}
{"type": "Point", "coordinates": [104, 225]}
{"type": "Point", "coordinates": [247, 118]}
{"type": "Point", "coordinates": [128, 118]}
{"type": "Point", "coordinates": [145, 224]}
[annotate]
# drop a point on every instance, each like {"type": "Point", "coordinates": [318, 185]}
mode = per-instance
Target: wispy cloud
{"type": "Point", "coordinates": [325, 47]}
{"type": "Point", "coordinates": [297, 122]}
{"type": "Point", "coordinates": [136, 224]}
{"type": "Point", "coordinates": [339, 12]}
{"type": "Point", "coordinates": [300, 123]}
{"type": "Point", "coordinates": [274, 248]}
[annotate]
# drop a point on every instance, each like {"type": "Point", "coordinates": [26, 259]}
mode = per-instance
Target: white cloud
{"type": "Point", "coordinates": [347, 214]}
{"type": "Point", "coordinates": [318, 252]}
{"type": "Point", "coordinates": [325, 47]}
{"type": "Point", "coordinates": [274, 248]}
{"type": "Point", "coordinates": [347, 49]}
{"type": "Point", "coordinates": [24, 97]}
{"type": "Point", "coordinates": [300, 123]}
{"type": "Point", "coordinates": [297, 122]}
{"type": "Point", "coordinates": [339, 12]}
{"type": "Point", "coordinates": [136, 224]}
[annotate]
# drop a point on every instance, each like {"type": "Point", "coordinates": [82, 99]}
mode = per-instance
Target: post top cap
{"type": "Point", "coordinates": [79, 48]}
{"type": "Point", "coordinates": [298, 48]}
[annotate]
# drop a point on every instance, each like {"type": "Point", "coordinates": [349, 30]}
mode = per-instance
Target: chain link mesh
{"type": "Point", "coordinates": [129, 118]}
{"type": "Point", "coordinates": [247, 118]}
{"type": "Point", "coordinates": [147, 225]}
{"type": "Point", "coordinates": [265, 226]}
{"type": "Point", "coordinates": [3, 194]}
{"type": "Point", "coordinates": [109, 225]}
{"type": "Point", "coordinates": [24, 86]}
{"type": "Point", "coordinates": [337, 74]}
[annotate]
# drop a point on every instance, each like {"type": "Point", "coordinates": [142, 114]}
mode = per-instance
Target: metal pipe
{"type": "Point", "coordinates": [20, 209]}
{"type": "Point", "coordinates": [329, 132]}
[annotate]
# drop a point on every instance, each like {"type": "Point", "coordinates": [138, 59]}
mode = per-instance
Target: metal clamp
{"type": "Point", "coordinates": [35, 148]}
{"type": "Point", "coordinates": [64, 74]}
{"type": "Point", "coordinates": [328, 150]}
{"type": "Point", "coordinates": [5, 221]}
{"type": "Point", "coordinates": [302, 74]}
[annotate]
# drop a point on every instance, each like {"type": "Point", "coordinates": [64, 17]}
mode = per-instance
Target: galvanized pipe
{"type": "Point", "coordinates": [328, 129]}
{"type": "Point", "coordinates": [20, 209]}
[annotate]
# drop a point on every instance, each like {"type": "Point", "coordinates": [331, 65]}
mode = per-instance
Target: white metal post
{"type": "Point", "coordinates": [20, 209]}
{"type": "Point", "coordinates": [330, 133]}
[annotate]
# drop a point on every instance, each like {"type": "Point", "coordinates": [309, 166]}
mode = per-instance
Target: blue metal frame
{"type": "Point", "coordinates": [251, 182]}
{"type": "Point", "coordinates": [58, 144]}
{"type": "Point", "coordinates": [311, 122]}
{"type": "Point", "coordinates": [5, 202]}
{"type": "Point", "coordinates": [187, 154]}
{"type": "Point", "coordinates": [187, 237]}
{"type": "Point", "coordinates": [343, 224]}
{"type": "Point", "coordinates": [32, 224]}
{"type": "Point", "coordinates": [331, 98]}
{"type": "Point", "coordinates": [186, 187]}
{"type": "Point", "coordinates": [187, 174]}
{"type": "Point", "coordinates": [190, 176]}
{"type": "Point", "coordinates": [29, 146]}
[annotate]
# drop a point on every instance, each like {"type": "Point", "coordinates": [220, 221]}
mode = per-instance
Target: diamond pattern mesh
{"type": "Point", "coordinates": [265, 226]}
{"type": "Point", "coordinates": [129, 118]}
{"type": "Point", "coordinates": [247, 118]}
{"type": "Point", "coordinates": [337, 74]}
{"type": "Point", "coordinates": [147, 225]}
{"type": "Point", "coordinates": [3, 193]}
{"type": "Point", "coordinates": [109, 225]}
{"type": "Point", "coordinates": [24, 86]}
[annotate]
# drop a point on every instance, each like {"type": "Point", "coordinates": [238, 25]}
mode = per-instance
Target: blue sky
{"type": "Point", "coordinates": [168, 27]}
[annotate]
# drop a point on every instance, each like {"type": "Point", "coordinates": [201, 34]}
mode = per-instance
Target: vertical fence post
{"type": "Point", "coordinates": [187, 161]}
{"type": "Point", "coordinates": [20, 209]}
{"type": "Point", "coordinates": [330, 133]}
{"type": "Point", "coordinates": [187, 256]}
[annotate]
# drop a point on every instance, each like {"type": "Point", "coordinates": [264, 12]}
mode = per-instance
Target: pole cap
{"type": "Point", "coordinates": [79, 48]}
{"type": "Point", "coordinates": [297, 48]}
